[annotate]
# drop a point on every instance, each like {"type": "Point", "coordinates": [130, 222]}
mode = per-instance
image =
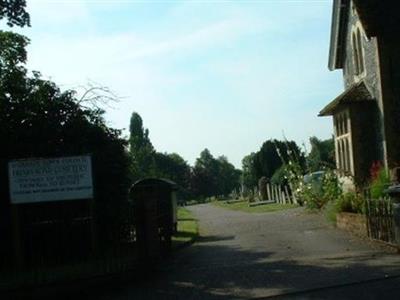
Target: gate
{"type": "Point", "coordinates": [380, 225]}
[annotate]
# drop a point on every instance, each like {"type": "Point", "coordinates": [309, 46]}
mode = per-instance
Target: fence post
{"type": "Point", "coordinates": [293, 194]}
{"type": "Point", "coordinates": [273, 193]}
{"type": "Point", "coordinates": [269, 191]}
{"type": "Point", "coordinates": [283, 196]}
{"type": "Point", "coordinates": [277, 194]}
{"type": "Point", "coordinates": [287, 194]}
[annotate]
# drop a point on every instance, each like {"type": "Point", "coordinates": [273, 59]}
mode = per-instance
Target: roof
{"type": "Point", "coordinates": [338, 34]}
{"type": "Point", "coordinates": [357, 92]}
{"type": "Point", "coordinates": [155, 182]}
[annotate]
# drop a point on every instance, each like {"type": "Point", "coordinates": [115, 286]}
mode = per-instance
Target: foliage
{"type": "Point", "coordinates": [322, 154]}
{"type": "Point", "coordinates": [329, 191]}
{"type": "Point", "coordinates": [147, 162]}
{"type": "Point", "coordinates": [350, 202]}
{"type": "Point", "coordinates": [141, 149]}
{"type": "Point", "coordinates": [15, 13]}
{"type": "Point", "coordinates": [249, 176]}
{"type": "Point", "coordinates": [213, 176]}
{"type": "Point", "coordinates": [280, 176]}
{"type": "Point", "coordinates": [331, 187]}
{"type": "Point", "coordinates": [273, 154]}
{"type": "Point", "coordinates": [37, 119]}
{"type": "Point", "coordinates": [293, 164]}
{"type": "Point", "coordinates": [380, 180]}
{"type": "Point", "coordinates": [315, 194]}
{"type": "Point", "coordinates": [209, 177]}
{"type": "Point", "coordinates": [173, 167]}
{"type": "Point", "coordinates": [204, 175]}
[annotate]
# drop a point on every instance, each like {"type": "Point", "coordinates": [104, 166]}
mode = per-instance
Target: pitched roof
{"type": "Point", "coordinates": [338, 33]}
{"type": "Point", "coordinates": [357, 92]}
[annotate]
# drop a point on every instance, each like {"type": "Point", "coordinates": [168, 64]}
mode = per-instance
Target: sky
{"type": "Point", "coordinates": [222, 75]}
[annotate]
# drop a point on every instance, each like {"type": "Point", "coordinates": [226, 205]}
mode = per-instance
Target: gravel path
{"type": "Point", "coordinates": [282, 254]}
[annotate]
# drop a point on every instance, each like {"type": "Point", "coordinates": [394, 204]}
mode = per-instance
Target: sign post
{"type": "Point", "coordinates": [55, 179]}
{"type": "Point", "coordinates": [48, 180]}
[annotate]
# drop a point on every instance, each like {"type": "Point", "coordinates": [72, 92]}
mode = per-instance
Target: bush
{"type": "Point", "coordinates": [331, 187]}
{"type": "Point", "coordinates": [380, 182]}
{"type": "Point", "coordinates": [312, 199]}
{"type": "Point", "coordinates": [317, 198]}
{"type": "Point", "coordinates": [350, 202]}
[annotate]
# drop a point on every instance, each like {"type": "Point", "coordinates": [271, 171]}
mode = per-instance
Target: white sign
{"type": "Point", "coordinates": [40, 180]}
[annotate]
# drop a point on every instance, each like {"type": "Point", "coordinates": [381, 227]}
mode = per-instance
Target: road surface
{"type": "Point", "coordinates": [290, 254]}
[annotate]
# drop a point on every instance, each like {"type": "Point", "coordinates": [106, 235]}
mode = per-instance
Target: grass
{"type": "Point", "coordinates": [244, 206]}
{"type": "Point", "coordinates": [188, 229]}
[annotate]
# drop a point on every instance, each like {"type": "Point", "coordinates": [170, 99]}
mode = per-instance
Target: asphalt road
{"type": "Point", "coordinates": [290, 254]}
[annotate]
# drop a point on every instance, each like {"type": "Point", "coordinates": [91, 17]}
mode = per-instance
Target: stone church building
{"type": "Point", "coordinates": [365, 45]}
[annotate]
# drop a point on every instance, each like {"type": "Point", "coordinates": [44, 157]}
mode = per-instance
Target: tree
{"type": "Point", "coordinates": [172, 167]}
{"type": "Point", "coordinates": [322, 154]}
{"type": "Point", "coordinates": [13, 57]}
{"type": "Point", "coordinates": [272, 154]}
{"type": "Point", "coordinates": [139, 136]}
{"type": "Point", "coordinates": [249, 175]}
{"type": "Point", "coordinates": [141, 149]}
{"type": "Point", "coordinates": [204, 177]}
{"type": "Point", "coordinates": [213, 177]}
{"type": "Point", "coordinates": [37, 119]}
{"type": "Point", "coordinates": [15, 13]}
{"type": "Point", "coordinates": [228, 178]}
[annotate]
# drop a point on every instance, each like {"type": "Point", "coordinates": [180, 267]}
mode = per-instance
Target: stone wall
{"type": "Point", "coordinates": [367, 131]}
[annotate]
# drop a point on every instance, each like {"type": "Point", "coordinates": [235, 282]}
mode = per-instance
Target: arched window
{"type": "Point", "coordinates": [347, 155]}
{"type": "Point", "coordinates": [341, 159]}
{"type": "Point", "coordinates": [358, 52]}
{"type": "Point", "coordinates": [355, 54]}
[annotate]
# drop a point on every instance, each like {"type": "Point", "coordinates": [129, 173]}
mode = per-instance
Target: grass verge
{"type": "Point", "coordinates": [244, 206]}
{"type": "Point", "coordinates": [188, 229]}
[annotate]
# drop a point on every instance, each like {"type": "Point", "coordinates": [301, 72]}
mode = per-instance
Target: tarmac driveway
{"type": "Point", "coordinates": [287, 254]}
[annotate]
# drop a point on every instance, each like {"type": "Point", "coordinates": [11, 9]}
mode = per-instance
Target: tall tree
{"type": "Point", "coordinates": [214, 176]}
{"type": "Point", "coordinates": [141, 149]}
{"type": "Point", "coordinates": [15, 13]}
{"type": "Point", "coordinates": [173, 167]}
{"type": "Point", "coordinates": [139, 136]}
{"type": "Point", "coordinates": [204, 177]}
{"type": "Point", "coordinates": [272, 154]}
{"type": "Point", "coordinates": [228, 178]}
{"type": "Point", "coordinates": [249, 175]}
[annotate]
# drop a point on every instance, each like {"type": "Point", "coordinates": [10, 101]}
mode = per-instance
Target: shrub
{"type": "Point", "coordinates": [380, 181]}
{"type": "Point", "coordinates": [312, 199]}
{"type": "Point", "coordinates": [317, 197]}
{"type": "Point", "coordinates": [331, 188]}
{"type": "Point", "coordinates": [350, 202]}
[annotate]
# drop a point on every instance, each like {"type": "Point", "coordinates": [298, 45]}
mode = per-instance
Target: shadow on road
{"type": "Point", "coordinates": [212, 271]}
